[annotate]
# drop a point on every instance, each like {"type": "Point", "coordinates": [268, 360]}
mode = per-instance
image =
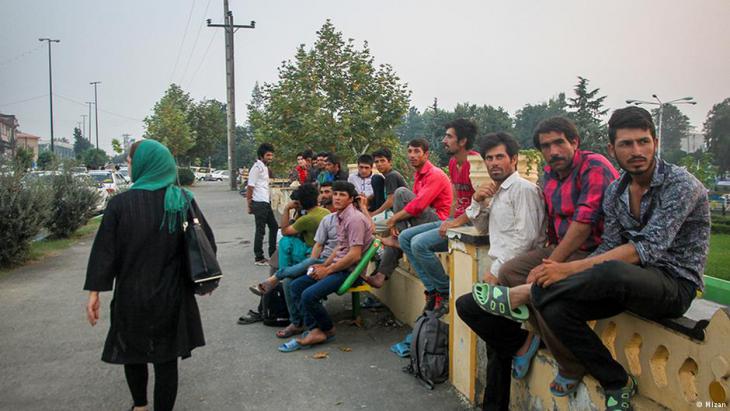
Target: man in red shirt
{"type": "Point", "coordinates": [420, 244]}
{"type": "Point", "coordinates": [430, 201]}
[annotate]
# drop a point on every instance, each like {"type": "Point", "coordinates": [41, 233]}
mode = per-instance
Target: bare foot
{"type": "Point", "coordinates": [269, 284]}
{"type": "Point", "coordinates": [519, 295]}
{"type": "Point", "coordinates": [375, 280]}
{"type": "Point", "coordinates": [289, 331]}
{"type": "Point", "coordinates": [390, 242]}
{"type": "Point", "coordinates": [525, 345]}
{"type": "Point", "coordinates": [139, 408]}
{"type": "Point", "coordinates": [315, 336]}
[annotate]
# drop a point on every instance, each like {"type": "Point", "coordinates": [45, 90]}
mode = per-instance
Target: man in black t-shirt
{"type": "Point", "coordinates": [392, 181]}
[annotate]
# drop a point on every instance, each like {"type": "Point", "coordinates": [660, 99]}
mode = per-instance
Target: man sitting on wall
{"type": "Point", "coordinates": [650, 262]}
{"type": "Point", "coordinates": [393, 180]}
{"type": "Point", "coordinates": [429, 201]}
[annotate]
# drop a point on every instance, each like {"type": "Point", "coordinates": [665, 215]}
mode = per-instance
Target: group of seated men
{"type": "Point", "coordinates": [586, 245]}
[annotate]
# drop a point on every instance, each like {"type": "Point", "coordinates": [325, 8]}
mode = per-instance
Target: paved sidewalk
{"type": "Point", "coordinates": [50, 356]}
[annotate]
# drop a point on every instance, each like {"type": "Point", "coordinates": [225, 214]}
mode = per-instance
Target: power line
{"type": "Point", "coordinates": [24, 100]}
{"type": "Point", "coordinates": [72, 100]}
{"type": "Point", "coordinates": [195, 44]}
{"type": "Point", "coordinates": [13, 59]}
{"type": "Point", "coordinates": [182, 43]}
{"type": "Point", "coordinates": [195, 73]}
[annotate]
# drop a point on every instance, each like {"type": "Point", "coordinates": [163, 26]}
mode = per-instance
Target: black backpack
{"type": "Point", "coordinates": [273, 308]}
{"type": "Point", "coordinates": [429, 350]}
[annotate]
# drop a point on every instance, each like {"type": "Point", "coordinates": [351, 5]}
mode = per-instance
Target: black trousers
{"type": "Point", "coordinates": [264, 216]}
{"type": "Point", "coordinates": [603, 291]}
{"type": "Point", "coordinates": [165, 384]}
{"type": "Point", "coordinates": [503, 337]}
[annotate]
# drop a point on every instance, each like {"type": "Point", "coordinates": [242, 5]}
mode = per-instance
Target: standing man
{"type": "Point", "coordinates": [650, 262]}
{"type": "Point", "coordinates": [574, 184]}
{"type": "Point", "coordinates": [511, 209]}
{"type": "Point", "coordinates": [258, 196]}
{"type": "Point", "coordinates": [430, 201]}
{"type": "Point", "coordinates": [421, 243]}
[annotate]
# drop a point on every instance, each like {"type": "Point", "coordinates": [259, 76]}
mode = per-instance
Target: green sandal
{"type": "Point", "coordinates": [494, 299]}
{"type": "Point", "coordinates": [620, 400]}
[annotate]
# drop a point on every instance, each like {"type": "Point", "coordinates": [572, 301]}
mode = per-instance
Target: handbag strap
{"type": "Point", "coordinates": [191, 211]}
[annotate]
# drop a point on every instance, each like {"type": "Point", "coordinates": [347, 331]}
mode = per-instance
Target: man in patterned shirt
{"type": "Point", "coordinates": [650, 262]}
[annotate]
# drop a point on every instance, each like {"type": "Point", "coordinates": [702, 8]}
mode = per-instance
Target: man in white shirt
{"type": "Point", "coordinates": [362, 179]}
{"type": "Point", "coordinates": [258, 196]}
{"type": "Point", "coordinates": [512, 210]}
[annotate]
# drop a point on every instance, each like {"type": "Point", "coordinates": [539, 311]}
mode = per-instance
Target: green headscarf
{"type": "Point", "coordinates": [153, 168]}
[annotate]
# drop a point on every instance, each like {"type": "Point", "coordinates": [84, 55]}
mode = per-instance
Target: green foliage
{"type": "Point", "coordinates": [245, 150]}
{"type": "Point", "coordinates": [23, 158]}
{"type": "Point", "coordinates": [718, 261]}
{"type": "Point", "coordinates": [23, 205]}
{"type": "Point", "coordinates": [80, 143]}
{"type": "Point", "coordinates": [185, 176]}
{"type": "Point", "coordinates": [94, 158]}
{"type": "Point", "coordinates": [702, 168]}
{"type": "Point", "coordinates": [73, 201]}
{"type": "Point", "coordinates": [330, 97]}
{"type": "Point", "coordinates": [675, 127]}
{"type": "Point", "coordinates": [208, 122]}
{"type": "Point", "coordinates": [530, 115]}
{"type": "Point", "coordinates": [720, 229]}
{"type": "Point", "coordinates": [586, 111]}
{"type": "Point", "coordinates": [47, 160]}
{"type": "Point", "coordinates": [117, 146]}
{"type": "Point", "coordinates": [717, 134]}
{"type": "Point", "coordinates": [169, 123]}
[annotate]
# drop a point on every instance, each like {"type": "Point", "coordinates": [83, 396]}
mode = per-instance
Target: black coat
{"type": "Point", "coordinates": [154, 315]}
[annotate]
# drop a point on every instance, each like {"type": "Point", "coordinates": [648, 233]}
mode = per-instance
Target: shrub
{"type": "Point", "coordinates": [24, 210]}
{"type": "Point", "coordinates": [720, 229]}
{"type": "Point", "coordinates": [186, 176]}
{"type": "Point", "coordinates": [72, 204]}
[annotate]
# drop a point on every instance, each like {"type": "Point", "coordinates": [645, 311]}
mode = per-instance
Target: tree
{"type": "Point", "coordinates": [528, 117]}
{"type": "Point", "coordinates": [412, 126]}
{"type": "Point", "coordinates": [330, 97]}
{"type": "Point", "coordinates": [46, 160]}
{"type": "Point", "coordinates": [80, 143]}
{"type": "Point", "coordinates": [701, 166]}
{"type": "Point", "coordinates": [169, 122]}
{"type": "Point", "coordinates": [23, 158]}
{"type": "Point", "coordinates": [94, 158]}
{"type": "Point", "coordinates": [587, 110]}
{"type": "Point", "coordinates": [117, 146]}
{"type": "Point", "coordinates": [208, 122]}
{"type": "Point", "coordinates": [245, 150]}
{"type": "Point", "coordinates": [717, 134]}
{"type": "Point", "coordinates": [675, 126]}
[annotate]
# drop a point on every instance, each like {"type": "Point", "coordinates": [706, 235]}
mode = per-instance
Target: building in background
{"type": "Point", "coordinates": [693, 142]}
{"type": "Point", "coordinates": [62, 149]}
{"type": "Point", "coordinates": [29, 141]}
{"type": "Point", "coordinates": [8, 128]}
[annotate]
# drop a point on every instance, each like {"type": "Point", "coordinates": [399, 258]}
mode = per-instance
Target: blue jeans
{"type": "Point", "coordinates": [289, 274]}
{"type": "Point", "coordinates": [420, 244]}
{"type": "Point", "coordinates": [307, 293]}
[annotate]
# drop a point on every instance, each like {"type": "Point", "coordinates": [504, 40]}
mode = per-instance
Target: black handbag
{"type": "Point", "coordinates": [205, 272]}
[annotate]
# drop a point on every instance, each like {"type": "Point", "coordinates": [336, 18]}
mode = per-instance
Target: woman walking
{"type": "Point", "coordinates": [139, 250]}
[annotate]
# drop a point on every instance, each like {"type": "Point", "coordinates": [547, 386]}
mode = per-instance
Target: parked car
{"type": "Point", "coordinates": [219, 175]}
{"type": "Point", "coordinates": [124, 173]}
{"type": "Point", "coordinates": [109, 181]}
{"type": "Point", "coordinates": [201, 173]}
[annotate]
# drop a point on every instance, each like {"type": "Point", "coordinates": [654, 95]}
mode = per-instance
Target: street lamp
{"type": "Point", "coordinates": [50, 82]}
{"type": "Point", "coordinates": [661, 104]}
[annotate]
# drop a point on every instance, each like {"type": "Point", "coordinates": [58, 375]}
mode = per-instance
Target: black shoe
{"type": "Point", "coordinates": [253, 317]}
{"type": "Point", "coordinates": [430, 300]}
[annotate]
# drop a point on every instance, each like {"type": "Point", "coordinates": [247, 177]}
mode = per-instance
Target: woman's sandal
{"type": "Point", "coordinates": [494, 299]}
{"type": "Point", "coordinates": [521, 363]}
{"type": "Point", "coordinates": [567, 385]}
{"type": "Point", "coordinates": [290, 331]}
{"type": "Point", "coordinates": [620, 400]}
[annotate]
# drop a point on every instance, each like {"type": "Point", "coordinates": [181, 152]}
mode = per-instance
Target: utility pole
{"type": "Point", "coordinates": [230, 88]}
{"type": "Point", "coordinates": [96, 112]}
{"type": "Point", "coordinates": [50, 83]}
{"type": "Point", "coordinates": [83, 125]}
{"type": "Point", "coordinates": [89, 103]}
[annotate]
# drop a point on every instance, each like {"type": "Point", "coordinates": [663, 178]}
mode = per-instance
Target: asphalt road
{"type": "Point", "coordinates": [50, 356]}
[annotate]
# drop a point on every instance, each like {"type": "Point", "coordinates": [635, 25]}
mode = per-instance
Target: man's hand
{"type": "Point", "coordinates": [391, 227]}
{"type": "Point", "coordinates": [363, 199]}
{"type": "Point", "coordinates": [445, 226]}
{"type": "Point", "coordinates": [534, 273]}
{"type": "Point", "coordinates": [250, 207]}
{"type": "Point", "coordinates": [92, 308]}
{"type": "Point", "coordinates": [486, 190]}
{"type": "Point", "coordinates": [490, 278]}
{"type": "Point", "coordinates": [553, 272]}
{"type": "Point", "coordinates": [319, 272]}
{"type": "Point", "coordinates": [292, 205]}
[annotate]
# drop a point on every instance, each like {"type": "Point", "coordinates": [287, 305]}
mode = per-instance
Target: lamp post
{"type": "Point", "coordinates": [50, 82]}
{"type": "Point", "coordinates": [661, 104]}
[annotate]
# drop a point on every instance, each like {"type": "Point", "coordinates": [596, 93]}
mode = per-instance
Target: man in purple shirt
{"type": "Point", "coordinates": [355, 235]}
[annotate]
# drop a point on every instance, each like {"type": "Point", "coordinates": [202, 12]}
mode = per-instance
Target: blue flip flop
{"type": "Point", "coordinates": [521, 363]}
{"type": "Point", "coordinates": [567, 385]}
{"type": "Point", "coordinates": [294, 345]}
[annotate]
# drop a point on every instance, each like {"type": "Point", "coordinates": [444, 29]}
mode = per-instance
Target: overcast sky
{"type": "Point", "coordinates": [483, 52]}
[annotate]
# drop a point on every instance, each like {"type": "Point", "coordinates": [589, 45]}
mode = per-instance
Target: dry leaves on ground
{"type": "Point", "coordinates": [320, 355]}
